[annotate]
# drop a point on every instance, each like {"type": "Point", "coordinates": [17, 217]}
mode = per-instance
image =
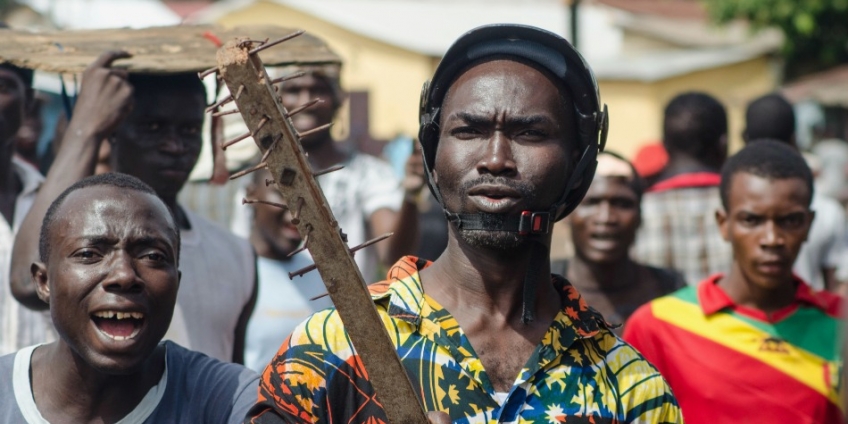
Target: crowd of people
{"type": "Point", "coordinates": [708, 290]}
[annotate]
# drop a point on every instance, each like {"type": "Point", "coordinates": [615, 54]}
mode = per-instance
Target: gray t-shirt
{"type": "Point", "coordinates": [193, 389]}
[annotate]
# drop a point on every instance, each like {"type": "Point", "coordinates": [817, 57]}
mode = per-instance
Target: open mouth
{"type": "Point", "coordinates": [118, 325]}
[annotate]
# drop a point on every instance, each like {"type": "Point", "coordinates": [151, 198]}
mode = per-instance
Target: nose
{"type": "Point", "coordinates": [122, 276]}
{"type": "Point", "coordinates": [172, 143]}
{"type": "Point", "coordinates": [497, 157]}
{"type": "Point", "coordinates": [772, 236]}
{"type": "Point", "coordinates": [605, 214]}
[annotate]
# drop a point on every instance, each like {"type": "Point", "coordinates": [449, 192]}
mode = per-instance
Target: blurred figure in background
{"type": "Point", "coordinates": [603, 229]}
{"type": "Point", "coordinates": [281, 303]}
{"type": "Point", "coordinates": [26, 140]}
{"type": "Point", "coordinates": [365, 197]}
{"type": "Point", "coordinates": [678, 225]}
{"type": "Point", "coordinates": [772, 117]}
{"type": "Point", "coordinates": [755, 344]}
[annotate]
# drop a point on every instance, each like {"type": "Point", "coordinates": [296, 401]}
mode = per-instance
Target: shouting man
{"type": "Point", "coordinates": [511, 124]}
{"type": "Point", "coordinates": [108, 268]}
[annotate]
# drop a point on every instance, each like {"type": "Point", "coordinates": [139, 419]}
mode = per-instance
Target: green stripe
{"type": "Point", "coordinates": [807, 328]}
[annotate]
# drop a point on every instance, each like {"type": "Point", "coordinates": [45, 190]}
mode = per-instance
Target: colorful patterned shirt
{"type": "Point", "coordinates": [731, 364]}
{"type": "Point", "coordinates": [580, 372]}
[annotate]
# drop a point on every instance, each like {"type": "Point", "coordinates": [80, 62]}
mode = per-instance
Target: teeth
{"type": "Point", "coordinates": [118, 315]}
{"type": "Point", "coordinates": [120, 338]}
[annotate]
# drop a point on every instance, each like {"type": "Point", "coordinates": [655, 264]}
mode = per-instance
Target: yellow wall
{"type": "Point", "coordinates": [636, 108]}
{"type": "Point", "coordinates": [392, 76]}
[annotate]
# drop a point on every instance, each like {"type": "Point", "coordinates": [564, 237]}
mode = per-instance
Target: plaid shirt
{"type": "Point", "coordinates": [679, 230]}
{"type": "Point", "coordinates": [580, 372]}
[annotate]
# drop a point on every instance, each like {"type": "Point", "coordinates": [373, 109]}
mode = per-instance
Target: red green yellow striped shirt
{"type": "Point", "coordinates": [730, 364]}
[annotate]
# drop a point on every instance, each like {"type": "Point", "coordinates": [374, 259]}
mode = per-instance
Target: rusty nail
{"type": "Point", "coordinates": [275, 42]}
{"type": "Point", "coordinates": [288, 77]}
{"type": "Point", "coordinates": [239, 174]}
{"type": "Point", "coordinates": [304, 270]}
{"type": "Point", "coordinates": [315, 130]}
{"type": "Point", "coordinates": [296, 216]}
{"type": "Point", "coordinates": [268, 182]}
{"type": "Point", "coordinates": [328, 170]}
{"type": "Point", "coordinates": [207, 72]}
{"type": "Point", "coordinates": [302, 107]}
{"type": "Point", "coordinates": [370, 242]}
{"type": "Point", "coordinates": [239, 92]}
{"type": "Point", "coordinates": [225, 112]}
{"type": "Point", "coordinates": [220, 103]}
{"type": "Point", "coordinates": [305, 243]}
{"type": "Point", "coordinates": [247, 201]}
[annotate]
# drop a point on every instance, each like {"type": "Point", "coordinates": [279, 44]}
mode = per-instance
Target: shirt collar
{"type": "Point", "coordinates": [714, 299]}
{"type": "Point", "coordinates": [31, 179]}
{"type": "Point", "coordinates": [405, 294]}
{"type": "Point", "coordinates": [690, 180]}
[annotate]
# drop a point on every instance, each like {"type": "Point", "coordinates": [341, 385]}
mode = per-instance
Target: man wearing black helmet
{"type": "Point", "coordinates": [510, 127]}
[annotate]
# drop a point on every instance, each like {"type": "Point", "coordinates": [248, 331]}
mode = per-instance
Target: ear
{"type": "Point", "coordinates": [38, 271]}
{"type": "Point", "coordinates": [722, 221]}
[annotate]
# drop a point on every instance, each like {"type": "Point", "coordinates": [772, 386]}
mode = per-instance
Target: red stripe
{"type": "Point", "coordinates": [715, 384]}
{"type": "Point", "coordinates": [695, 179]}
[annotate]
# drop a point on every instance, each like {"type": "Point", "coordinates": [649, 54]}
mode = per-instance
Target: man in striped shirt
{"type": "Point", "coordinates": [511, 126]}
{"type": "Point", "coordinates": [756, 344]}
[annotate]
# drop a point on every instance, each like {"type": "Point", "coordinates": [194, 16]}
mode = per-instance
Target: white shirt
{"type": "Point", "coordinates": [827, 242]}
{"type": "Point", "coordinates": [19, 326]}
{"type": "Point", "coordinates": [282, 304]}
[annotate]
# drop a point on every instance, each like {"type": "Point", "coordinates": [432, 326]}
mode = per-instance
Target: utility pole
{"type": "Point", "coordinates": [575, 4]}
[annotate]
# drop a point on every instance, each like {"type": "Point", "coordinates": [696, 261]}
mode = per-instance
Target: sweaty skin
{"type": "Point", "coordinates": [111, 250]}
{"type": "Point", "coordinates": [766, 221]}
{"type": "Point", "coordinates": [503, 127]}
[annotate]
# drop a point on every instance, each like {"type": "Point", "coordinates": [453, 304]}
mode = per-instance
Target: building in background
{"type": "Point", "coordinates": [643, 52]}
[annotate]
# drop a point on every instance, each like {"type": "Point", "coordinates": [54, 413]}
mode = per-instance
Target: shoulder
{"type": "Point", "coordinates": [189, 365]}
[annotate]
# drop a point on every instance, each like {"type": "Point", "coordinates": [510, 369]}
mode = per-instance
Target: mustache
{"type": "Point", "coordinates": [526, 189]}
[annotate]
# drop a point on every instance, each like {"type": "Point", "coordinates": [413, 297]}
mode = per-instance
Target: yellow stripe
{"type": "Point", "coordinates": [732, 333]}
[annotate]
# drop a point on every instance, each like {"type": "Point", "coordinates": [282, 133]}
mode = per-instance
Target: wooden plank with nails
{"type": "Point", "coordinates": [294, 178]}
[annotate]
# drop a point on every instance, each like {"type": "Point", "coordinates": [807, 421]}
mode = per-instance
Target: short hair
{"type": "Point", "coordinates": [693, 124]}
{"type": "Point", "coordinates": [637, 183]}
{"type": "Point", "coordinates": [112, 179]}
{"type": "Point", "coordinates": [769, 159]}
{"type": "Point", "coordinates": [770, 116]}
{"type": "Point", "coordinates": [143, 83]}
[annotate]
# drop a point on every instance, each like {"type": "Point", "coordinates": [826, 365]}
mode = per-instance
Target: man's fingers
{"type": "Point", "coordinates": [436, 417]}
{"type": "Point", "coordinates": [106, 58]}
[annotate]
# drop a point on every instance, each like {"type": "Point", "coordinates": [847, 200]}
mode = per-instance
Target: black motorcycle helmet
{"type": "Point", "coordinates": [556, 55]}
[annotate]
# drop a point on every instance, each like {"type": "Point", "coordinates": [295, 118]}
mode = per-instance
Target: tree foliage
{"type": "Point", "coordinates": [816, 31]}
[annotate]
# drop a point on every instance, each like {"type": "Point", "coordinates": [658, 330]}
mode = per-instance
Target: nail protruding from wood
{"type": "Point", "coordinates": [246, 201]}
{"type": "Point", "coordinates": [302, 271]}
{"type": "Point", "coordinates": [288, 77]}
{"type": "Point", "coordinates": [261, 165]}
{"type": "Point", "coordinates": [305, 243]}
{"type": "Point", "coordinates": [268, 182]}
{"type": "Point", "coordinates": [315, 130]}
{"type": "Point", "coordinates": [239, 92]}
{"type": "Point", "coordinates": [328, 170]}
{"type": "Point", "coordinates": [207, 72]}
{"type": "Point", "coordinates": [296, 215]}
{"type": "Point", "coordinates": [222, 102]}
{"type": "Point", "coordinates": [303, 107]}
{"type": "Point", "coordinates": [245, 135]}
{"type": "Point", "coordinates": [275, 42]}
{"type": "Point", "coordinates": [225, 112]}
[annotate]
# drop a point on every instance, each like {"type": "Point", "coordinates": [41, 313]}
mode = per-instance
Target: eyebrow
{"type": "Point", "coordinates": [482, 120]}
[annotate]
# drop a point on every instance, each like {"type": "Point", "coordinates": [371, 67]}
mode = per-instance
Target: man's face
{"type": "Point", "coordinates": [301, 90]}
{"type": "Point", "coordinates": [766, 223]}
{"type": "Point", "coordinates": [505, 145]}
{"type": "Point", "coordinates": [273, 225]}
{"type": "Point", "coordinates": [13, 96]}
{"type": "Point", "coordinates": [161, 139]}
{"type": "Point", "coordinates": [111, 279]}
{"type": "Point", "coordinates": [604, 226]}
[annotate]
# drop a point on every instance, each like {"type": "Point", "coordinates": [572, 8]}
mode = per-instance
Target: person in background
{"type": "Point", "coordinates": [603, 229]}
{"type": "Point", "coordinates": [19, 182]}
{"type": "Point", "coordinates": [281, 303]}
{"type": "Point", "coordinates": [365, 196]}
{"type": "Point", "coordinates": [772, 117]}
{"type": "Point", "coordinates": [754, 344]}
{"type": "Point", "coordinates": [108, 268]}
{"type": "Point", "coordinates": [678, 227]}
{"type": "Point", "coordinates": [26, 140]}
{"type": "Point", "coordinates": [153, 125]}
